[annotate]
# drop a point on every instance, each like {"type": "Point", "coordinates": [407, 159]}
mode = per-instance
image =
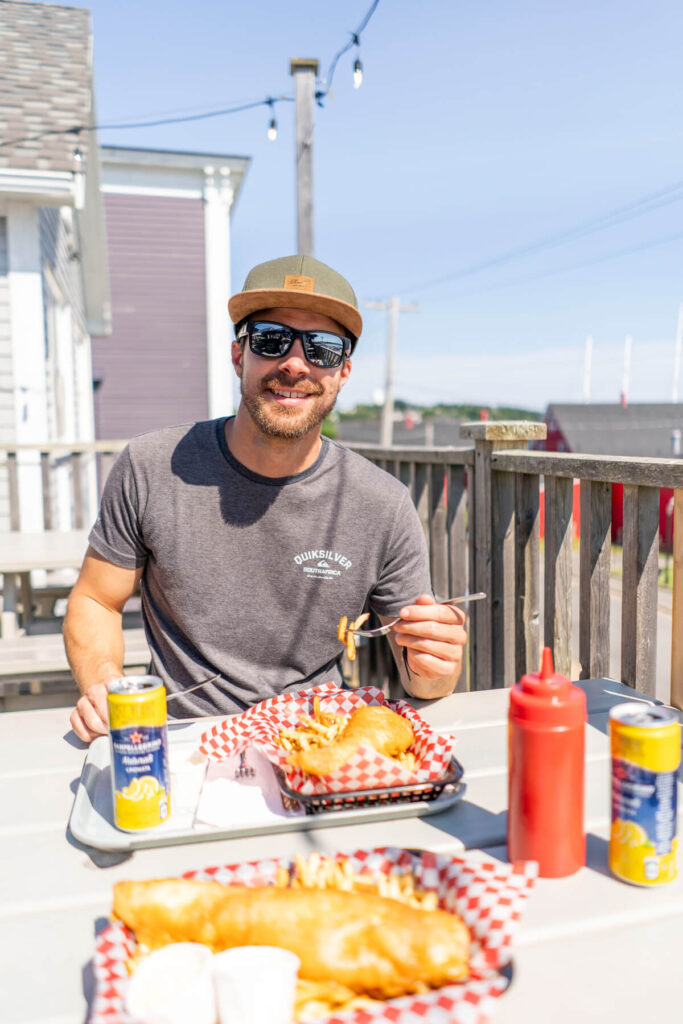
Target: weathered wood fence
{"type": "Point", "coordinates": [480, 509]}
{"type": "Point", "coordinates": [78, 463]}
{"type": "Point", "coordinates": [481, 513]}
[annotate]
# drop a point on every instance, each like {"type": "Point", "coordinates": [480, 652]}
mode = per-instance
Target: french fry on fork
{"type": "Point", "coordinates": [345, 632]}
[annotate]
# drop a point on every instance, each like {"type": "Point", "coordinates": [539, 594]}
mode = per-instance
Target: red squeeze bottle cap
{"type": "Point", "coordinates": [548, 697]}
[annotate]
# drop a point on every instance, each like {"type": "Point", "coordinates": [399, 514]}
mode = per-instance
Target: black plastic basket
{"type": "Point", "coordinates": [414, 792]}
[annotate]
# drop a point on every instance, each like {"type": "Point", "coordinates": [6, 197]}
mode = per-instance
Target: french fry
{"type": "Point", "coordinates": [407, 760]}
{"type": "Point", "coordinates": [317, 731]}
{"type": "Point", "coordinates": [282, 878]}
{"type": "Point", "coordinates": [320, 872]}
{"type": "Point", "coordinates": [345, 632]}
{"type": "Point", "coordinates": [361, 620]}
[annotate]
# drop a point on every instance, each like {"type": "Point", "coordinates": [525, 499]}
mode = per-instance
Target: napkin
{"type": "Point", "coordinates": [227, 801]}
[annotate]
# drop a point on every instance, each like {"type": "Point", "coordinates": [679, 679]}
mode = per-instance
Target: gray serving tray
{"type": "Point", "coordinates": [91, 820]}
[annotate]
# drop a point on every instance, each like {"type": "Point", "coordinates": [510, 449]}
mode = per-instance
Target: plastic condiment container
{"type": "Point", "coordinates": [546, 741]}
{"type": "Point", "coordinates": [255, 985]}
{"type": "Point", "coordinates": [173, 985]}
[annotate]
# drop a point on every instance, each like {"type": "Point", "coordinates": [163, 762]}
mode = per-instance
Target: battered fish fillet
{"type": "Point", "coordinates": [376, 946]}
{"type": "Point", "coordinates": [380, 727]}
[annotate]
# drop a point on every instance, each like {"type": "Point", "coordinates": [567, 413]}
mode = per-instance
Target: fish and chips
{"type": "Point", "coordinates": [325, 741]}
{"type": "Point", "coordinates": [360, 937]}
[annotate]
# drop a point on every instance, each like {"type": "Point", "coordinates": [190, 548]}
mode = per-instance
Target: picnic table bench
{"type": "Point", "coordinates": [24, 553]}
{"type": "Point", "coordinates": [32, 665]}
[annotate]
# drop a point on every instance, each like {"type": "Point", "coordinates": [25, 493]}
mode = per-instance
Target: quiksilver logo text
{"type": "Point", "coordinates": [319, 554]}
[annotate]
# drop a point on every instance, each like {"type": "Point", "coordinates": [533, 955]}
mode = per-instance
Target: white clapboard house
{"type": "Point", "coordinates": [54, 283]}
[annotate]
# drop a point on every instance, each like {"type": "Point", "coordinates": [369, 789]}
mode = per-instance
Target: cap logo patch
{"type": "Point", "coordinates": [299, 284]}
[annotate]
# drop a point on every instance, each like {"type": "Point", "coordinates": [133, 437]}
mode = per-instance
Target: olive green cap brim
{"type": "Point", "coordinates": [298, 282]}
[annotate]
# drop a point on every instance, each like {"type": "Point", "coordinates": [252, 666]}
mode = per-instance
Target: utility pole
{"type": "Point", "coordinates": [677, 354]}
{"type": "Point", "coordinates": [304, 70]}
{"type": "Point", "coordinates": [627, 370]}
{"type": "Point", "coordinates": [394, 306]}
{"type": "Point", "coordinates": [587, 365]}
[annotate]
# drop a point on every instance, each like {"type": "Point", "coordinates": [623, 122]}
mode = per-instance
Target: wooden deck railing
{"type": "Point", "coordinates": [76, 460]}
{"type": "Point", "coordinates": [500, 505]}
{"type": "Point", "coordinates": [480, 509]}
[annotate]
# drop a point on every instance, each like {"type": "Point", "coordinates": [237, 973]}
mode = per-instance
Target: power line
{"type": "Point", "coordinates": [575, 266]}
{"type": "Point", "coordinates": [636, 208]}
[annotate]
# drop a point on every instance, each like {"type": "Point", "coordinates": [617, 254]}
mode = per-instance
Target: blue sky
{"type": "Point", "coordinates": [480, 130]}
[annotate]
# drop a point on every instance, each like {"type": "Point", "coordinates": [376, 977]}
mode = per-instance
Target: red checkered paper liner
{"type": "Point", "coordinates": [260, 725]}
{"type": "Point", "coordinates": [488, 895]}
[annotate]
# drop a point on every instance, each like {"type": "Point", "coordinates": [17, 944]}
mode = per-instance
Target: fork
{"type": "Point", "coordinates": [244, 770]}
{"type": "Point", "coordinates": [383, 630]}
{"type": "Point", "coordinates": [189, 689]}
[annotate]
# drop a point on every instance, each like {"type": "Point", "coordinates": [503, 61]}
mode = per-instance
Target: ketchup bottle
{"type": "Point", "coordinates": [546, 737]}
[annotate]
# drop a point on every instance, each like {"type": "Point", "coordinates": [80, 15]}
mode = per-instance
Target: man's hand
{"type": "Point", "coordinates": [93, 637]}
{"type": "Point", "coordinates": [434, 637]}
{"type": "Point", "coordinates": [89, 719]}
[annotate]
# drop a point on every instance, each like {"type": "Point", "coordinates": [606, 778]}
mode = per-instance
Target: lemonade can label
{"type": "Point", "coordinates": [139, 752]}
{"type": "Point", "coordinates": [645, 743]}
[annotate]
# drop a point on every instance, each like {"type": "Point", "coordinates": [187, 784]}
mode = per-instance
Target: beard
{"type": "Point", "coordinates": [289, 423]}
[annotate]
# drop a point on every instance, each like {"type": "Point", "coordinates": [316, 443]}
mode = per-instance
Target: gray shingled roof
{"type": "Point", "coordinates": [366, 431]}
{"type": "Point", "coordinates": [45, 56]}
{"type": "Point", "coordinates": [618, 430]}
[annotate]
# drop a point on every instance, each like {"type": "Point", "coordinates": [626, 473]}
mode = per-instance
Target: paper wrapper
{"type": "Point", "coordinates": [260, 725]}
{"type": "Point", "coordinates": [489, 896]}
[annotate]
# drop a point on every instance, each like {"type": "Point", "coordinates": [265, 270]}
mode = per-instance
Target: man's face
{"type": "Point", "coordinates": [289, 397]}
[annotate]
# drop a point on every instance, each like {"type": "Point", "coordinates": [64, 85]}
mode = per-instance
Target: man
{"type": "Point", "coordinates": [252, 535]}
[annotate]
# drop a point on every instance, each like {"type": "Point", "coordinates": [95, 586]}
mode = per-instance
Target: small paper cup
{"type": "Point", "coordinates": [173, 985]}
{"type": "Point", "coordinates": [255, 984]}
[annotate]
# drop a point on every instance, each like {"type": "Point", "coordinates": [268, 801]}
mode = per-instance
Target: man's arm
{"type": "Point", "coordinates": [433, 637]}
{"type": "Point", "coordinates": [93, 637]}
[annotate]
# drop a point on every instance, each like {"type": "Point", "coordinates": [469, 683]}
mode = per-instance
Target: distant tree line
{"type": "Point", "coordinates": [456, 412]}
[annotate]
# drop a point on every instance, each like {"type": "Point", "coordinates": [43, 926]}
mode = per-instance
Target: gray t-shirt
{"type": "Point", "coordinates": [247, 576]}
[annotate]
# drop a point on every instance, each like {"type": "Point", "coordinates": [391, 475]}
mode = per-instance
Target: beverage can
{"type": "Point", "coordinates": [139, 752]}
{"type": "Point", "coordinates": [645, 743]}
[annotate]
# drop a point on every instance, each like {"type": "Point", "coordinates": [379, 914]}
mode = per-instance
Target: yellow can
{"type": "Point", "coordinates": [645, 742]}
{"type": "Point", "coordinates": [139, 752]}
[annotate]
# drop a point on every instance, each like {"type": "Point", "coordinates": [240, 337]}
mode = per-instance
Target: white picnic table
{"type": "Point", "coordinates": [590, 948]}
{"type": "Point", "coordinates": [22, 553]}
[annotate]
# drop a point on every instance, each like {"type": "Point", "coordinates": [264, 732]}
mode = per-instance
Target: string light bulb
{"type": "Point", "coordinates": [357, 74]}
{"type": "Point", "coordinates": [272, 127]}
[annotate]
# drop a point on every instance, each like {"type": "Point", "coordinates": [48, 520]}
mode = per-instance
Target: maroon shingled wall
{"type": "Point", "coordinates": [152, 369]}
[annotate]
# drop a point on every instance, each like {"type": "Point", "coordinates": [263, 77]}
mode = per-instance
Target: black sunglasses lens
{"type": "Point", "coordinates": [269, 340]}
{"type": "Point", "coordinates": [323, 348]}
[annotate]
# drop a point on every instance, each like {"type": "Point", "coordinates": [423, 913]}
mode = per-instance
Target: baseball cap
{"type": "Point", "coordinates": [299, 282]}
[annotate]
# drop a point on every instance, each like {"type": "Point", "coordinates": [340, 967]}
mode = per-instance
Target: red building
{"type": "Point", "coordinates": [654, 431]}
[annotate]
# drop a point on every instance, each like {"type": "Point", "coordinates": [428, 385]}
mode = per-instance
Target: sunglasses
{"type": "Point", "coordinates": [273, 341]}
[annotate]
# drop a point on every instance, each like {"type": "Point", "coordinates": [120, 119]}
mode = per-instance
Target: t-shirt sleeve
{"type": "Point", "coordinates": [405, 574]}
{"type": "Point", "coordinates": [117, 534]}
